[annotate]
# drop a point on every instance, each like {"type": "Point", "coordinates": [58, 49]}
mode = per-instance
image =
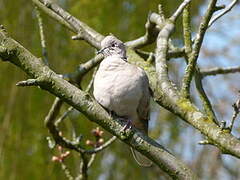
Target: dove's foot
{"type": "Point", "coordinates": [128, 125]}
{"type": "Point", "coordinates": [124, 131]}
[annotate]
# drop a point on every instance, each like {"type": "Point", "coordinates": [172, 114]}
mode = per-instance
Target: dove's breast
{"type": "Point", "coordinates": [118, 86]}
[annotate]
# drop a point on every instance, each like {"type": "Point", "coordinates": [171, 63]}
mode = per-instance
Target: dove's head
{"type": "Point", "coordinates": [112, 46]}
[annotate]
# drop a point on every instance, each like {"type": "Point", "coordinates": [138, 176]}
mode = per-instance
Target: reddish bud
{"type": "Point", "coordinates": [60, 148]}
{"type": "Point", "coordinates": [89, 143]}
{"type": "Point", "coordinates": [64, 155]}
{"type": "Point", "coordinates": [100, 141]}
{"type": "Point", "coordinates": [100, 133]}
{"type": "Point", "coordinates": [97, 132]}
{"type": "Point", "coordinates": [55, 159]}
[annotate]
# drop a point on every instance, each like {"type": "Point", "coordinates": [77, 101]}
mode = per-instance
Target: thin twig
{"type": "Point", "coordinates": [42, 37]}
{"type": "Point", "coordinates": [190, 69]}
{"type": "Point", "coordinates": [50, 123]}
{"type": "Point", "coordinates": [179, 10]}
{"type": "Point", "coordinates": [91, 160]}
{"type": "Point", "coordinates": [83, 69]}
{"type": "Point", "coordinates": [90, 84]}
{"type": "Point", "coordinates": [83, 174]}
{"type": "Point", "coordinates": [66, 171]}
{"type": "Point", "coordinates": [198, 78]}
{"type": "Point", "coordinates": [236, 111]}
{"type": "Point", "coordinates": [219, 71]}
{"type": "Point", "coordinates": [149, 37]}
{"type": "Point", "coordinates": [226, 10]}
{"type": "Point", "coordinates": [53, 15]}
{"type": "Point", "coordinates": [65, 114]}
{"type": "Point", "coordinates": [203, 96]}
{"type": "Point", "coordinates": [102, 147]}
{"type": "Point", "coordinates": [186, 21]}
{"type": "Point", "coordinates": [172, 53]}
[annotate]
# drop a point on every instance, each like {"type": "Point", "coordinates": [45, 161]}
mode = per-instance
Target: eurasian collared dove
{"type": "Point", "coordinates": [123, 88]}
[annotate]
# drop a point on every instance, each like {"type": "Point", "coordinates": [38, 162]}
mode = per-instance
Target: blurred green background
{"type": "Point", "coordinates": [24, 151]}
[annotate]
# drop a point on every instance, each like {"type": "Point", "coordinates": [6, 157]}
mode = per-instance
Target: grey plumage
{"type": "Point", "coordinates": [122, 87]}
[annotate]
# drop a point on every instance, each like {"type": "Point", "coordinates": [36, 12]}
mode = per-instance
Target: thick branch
{"type": "Point", "coordinates": [88, 106]}
{"type": "Point", "coordinates": [161, 62]}
{"type": "Point", "coordinates": [189, 113]}
{"type": "Point", "coordinates": [167, 96]}
{"type": "Point", "coordinates": [227, 143]}
{"type": "Point", "coordinates": [168, 88]}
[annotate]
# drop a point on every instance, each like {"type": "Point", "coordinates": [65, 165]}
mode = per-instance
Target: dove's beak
{"type": "Point", "coordinates": [101, 50]}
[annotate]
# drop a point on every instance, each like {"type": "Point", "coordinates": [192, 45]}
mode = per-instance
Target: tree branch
{"type": "Point", "coordinates": [184, 109]}
{"type": "Point", "coordinates": [190, 69]}
{"type": "Point", "coordinates": [172, 53]}
{"type": "Point", "coordinates": [161, 62]}
{"type": "Point", "coordinates": [203, 96]}
{"type": "Point", "coordinates": [198, 78]}
{"type": "Point", "coordinates": [151, 32]}
{"type": "Point", "coordinates": [102, 147]}
{"type": "Point", "coordinates": [50, 123]}
{"type": "Point", "coordinates": [179, 10]}
{"type": "Point", "coordinates": [42, 37]}
{"type": "Point", "coordinates": [219, 71]}
{"type": "Point", "coordinates": [81, 29]}
{"type": "Point", "coordinates": [84, 68]}
{"type": "Point", "coordinates": [88, 106]}
{"type": "Point", "coordinates": [225, 11]}
{"type": "Point", "coordinates": [168, 88]}
{"type": "Point", "coordinates": [168, 96]}
{"type": "Point", "coordinates": [186, 21]}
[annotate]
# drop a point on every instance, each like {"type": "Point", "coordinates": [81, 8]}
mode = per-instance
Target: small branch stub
{"type": "Point", "coordinates": [29, 82]}
{"type": "Point", "coordinates": [77, 37]}
{"type": "Point", "coordinates": [236, 111]}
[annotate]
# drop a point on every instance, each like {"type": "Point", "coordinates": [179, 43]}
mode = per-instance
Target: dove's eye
{"type": "Point", "coordinates": [114, 45]}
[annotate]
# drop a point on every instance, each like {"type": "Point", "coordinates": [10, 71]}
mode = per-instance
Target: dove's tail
{"type": "Point", "coordinates": [141, 159]}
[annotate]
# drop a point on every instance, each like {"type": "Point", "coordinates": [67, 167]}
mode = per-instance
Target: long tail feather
{"type": "Point", "coordinates": [141, 159]}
